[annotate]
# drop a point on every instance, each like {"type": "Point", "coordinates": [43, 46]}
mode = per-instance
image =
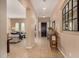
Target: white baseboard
{"type": "Point", "coordinates": [62, 52]}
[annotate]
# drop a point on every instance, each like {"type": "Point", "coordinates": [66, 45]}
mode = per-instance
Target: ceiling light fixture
{"type": "Point", "coordinates": [44, 8]}
{"type": "Point", "coordinates": [44, 16]}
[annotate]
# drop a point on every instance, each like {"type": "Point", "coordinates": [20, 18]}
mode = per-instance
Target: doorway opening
{"type": "Point", "coordinates": [44, 29]}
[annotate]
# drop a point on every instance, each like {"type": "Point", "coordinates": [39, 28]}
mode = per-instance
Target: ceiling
{"type": "Point", "coordinates": [15, 9]}
{"type": "Point", "coordinates": [44, 8]}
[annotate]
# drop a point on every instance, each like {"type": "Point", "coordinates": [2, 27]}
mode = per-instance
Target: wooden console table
{"type": "Point", "coordinates": [53, 41]}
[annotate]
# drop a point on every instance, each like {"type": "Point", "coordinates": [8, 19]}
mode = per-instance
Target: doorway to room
{"type": "Point", "coordinates": [43, 29]}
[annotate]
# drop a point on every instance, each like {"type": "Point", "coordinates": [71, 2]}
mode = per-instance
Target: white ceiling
{"type": "Point", "coordinates": [38, 6]}
{"type": "Point", "coordinates": [15, 9]}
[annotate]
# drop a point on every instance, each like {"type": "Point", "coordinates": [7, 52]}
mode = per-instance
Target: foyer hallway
{"type": "Point", "coordinates": [41, 49]}
{"type": "Point", "coordinates": [27, 19]}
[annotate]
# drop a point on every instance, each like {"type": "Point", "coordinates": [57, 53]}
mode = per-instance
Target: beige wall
{"type": "Point", "coordinates": [68, 43]}
{"type": "Point", "coordinates": [16, 20]}
{"type": "Point", "coordinates": [3, 29]}
{"type": "Point", "coordinates": [30, 23]}
{"type": "Point", "coordinates": [8, 25]}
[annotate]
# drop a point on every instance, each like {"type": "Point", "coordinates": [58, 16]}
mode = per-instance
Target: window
{"type": "Point", "coordinates": [17, 27]}
{"type": "Point", "coordinates": [70, 16]}
{"type": "Point", "coordinates": [22, 27]}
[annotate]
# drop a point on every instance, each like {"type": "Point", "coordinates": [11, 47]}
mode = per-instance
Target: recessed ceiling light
{"type": "Point", "coordinates": [44, 8]}
{"type": "Point", "coordinates": [44, 16]}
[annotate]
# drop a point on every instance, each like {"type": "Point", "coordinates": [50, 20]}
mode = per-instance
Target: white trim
{"type": "Point", "coordinates": [62, 52]}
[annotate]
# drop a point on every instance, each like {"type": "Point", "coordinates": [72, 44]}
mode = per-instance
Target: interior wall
{"type": "Point", "coordinates": [30, 28]}
{"type": "Point", "coordinates": [16, 20]}
{"type": "Point", "coordinates": [68, 43]}
{"type": "Point", "coordinates": [3, 29]}
{"type": "Point", "coordinates": [8, 25]}
{"type": "Point", "coordinates": [31, 22]}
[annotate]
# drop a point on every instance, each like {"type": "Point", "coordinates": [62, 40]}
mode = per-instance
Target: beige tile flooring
{"type": "Point", "coordinates": [40, 50]}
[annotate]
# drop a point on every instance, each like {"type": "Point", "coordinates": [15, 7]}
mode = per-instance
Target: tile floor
{"type": "Point", "coordinates": [40, 50]}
